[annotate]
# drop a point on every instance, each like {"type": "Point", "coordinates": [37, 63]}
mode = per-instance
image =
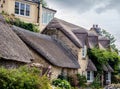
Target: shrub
{"type": "Point", "coordinates": [17, 22]}
{"type": "Point", "coordinates": [96, 83]}
{"type": "Point", "coordinates": [61, 83]}
{"type": "Point", "coordinates": [73, 80]}
{"type": "Point", "coordinates": [23, 78]}
{"type": "Point", "coordinates": [82, 80]}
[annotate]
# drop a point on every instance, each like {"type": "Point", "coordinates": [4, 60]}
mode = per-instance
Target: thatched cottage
{"type": "Point", "coordinates": [48, 51]}
{"type": "Point", "coordinates": [77, 40]}
{"type": "Point", "coordinates": [19, 47]}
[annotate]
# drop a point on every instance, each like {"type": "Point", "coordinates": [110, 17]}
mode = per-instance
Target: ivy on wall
{"type": "Point", "coordinates": [103, 57]}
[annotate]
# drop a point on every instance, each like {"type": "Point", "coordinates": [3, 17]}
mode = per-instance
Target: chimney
{"type": "Point", "coordinates": [95, 26]}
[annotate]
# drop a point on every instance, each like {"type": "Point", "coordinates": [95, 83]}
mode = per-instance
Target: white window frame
{"type": "Point", "coordinates": [24, 9]}
{"type": "Point", "coordinates": [91, 76]}
{"type": "Point", "coordinates": [108, 75]}
{"type": "Point", "coordinates": [84, 51]}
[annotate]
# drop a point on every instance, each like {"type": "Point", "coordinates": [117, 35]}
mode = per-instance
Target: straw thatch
{"type": "Point", "coordinates": [92, 40]}
{"type": "Point", "coordinates": [53, 52]}
{"type": "Point", "coordinates": [66, 28]}
{"type": "Point", "coordinates": [11, 46]}
{"type": "Point", "coordinates": [110, 69]}
{"type": "Point", "coordinates": [103, 42]}
{"type": "Point", "coordinates": [81, 35]}
{"type": "Point", "coordinates": [104, 67]}
{"type": "Point", "coordinates": [91, 66]}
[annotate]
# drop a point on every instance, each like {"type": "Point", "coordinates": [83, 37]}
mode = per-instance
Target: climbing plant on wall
{"type": "Point", "coordinates": [102, 57]}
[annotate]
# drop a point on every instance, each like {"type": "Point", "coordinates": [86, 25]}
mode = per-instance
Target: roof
{"type": "Point", "coordinates": [103, 42]}
{"type": "Point", "coordinates": [91, 66]}
{"type": "Point", "coordinates": [104, 67]}
{"type": "Point", "coordinates": [66, 28]}
{"type": "Point", "coordinates": [92, 40]}
{"type": "Point", "coordinates": [52, 51]}
{"type": "Point", "coordinates": [11, 46]}
{"type": "Point", "coordinates": [110, 69]}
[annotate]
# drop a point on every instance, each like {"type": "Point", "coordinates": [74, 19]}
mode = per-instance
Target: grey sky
{"type": "Point", "coordinates": [85, 13]}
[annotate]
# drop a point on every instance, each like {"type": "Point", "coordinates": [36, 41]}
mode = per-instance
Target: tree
{"type": "Point", "coordinates": [44, 3]}
{"type": "Point", "coordinates": [112, 39]}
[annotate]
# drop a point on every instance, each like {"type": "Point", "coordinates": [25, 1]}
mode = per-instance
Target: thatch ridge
{"type": "Point", "coordinates": [66, 28]}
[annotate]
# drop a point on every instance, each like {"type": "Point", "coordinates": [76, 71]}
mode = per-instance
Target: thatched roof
{"type": "Point", "coordinates": [11, 46]}
{"type": "Point", "coordinates": [91, 66]}
{"type": "Point", "coordinates": [66, 28]}
{"type": "Point", "coordinates": [81, 34]}
{"type": "Point", "coordinates": [53, 52]}
{"type": "Point", "coordinates": [110, 69]}
{"type": "Point", "coordinates": [92, 40]}
{"type": "Point", "coordinates": [104, 67]}
{"type": "Point", "coordinates": [103, 42]}
{"type": "Point", "coordinates": [107, 68]}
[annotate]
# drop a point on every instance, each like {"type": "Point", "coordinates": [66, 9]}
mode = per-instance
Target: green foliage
{"type": "Point", "coordinates": [44, 3]}
{"type": "Point", "coordinates": [22, 78]}
{"type": "Point", "coordinates": [102, 57]}
{"type": "Point", "coordinates": [61, 83]}
{"type": "Point", "coordinates": [96, 83]}
{"type": "Point", "coordinates": [73, 79]}
{"type": "Point", "coordinates": [17, 22]}
{"type": "Point", "coordinates": [112, 39]}
{"type": "Point", "coordinates": [82, 80]}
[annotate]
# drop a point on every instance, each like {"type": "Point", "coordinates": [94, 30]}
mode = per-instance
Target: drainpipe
{"type": "Point", "coordinates": [39, 18]}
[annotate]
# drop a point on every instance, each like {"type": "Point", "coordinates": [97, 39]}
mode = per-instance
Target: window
{"type": "Point", "coordinates": [108, 76]}
{"type": "Point", "coordinates": [84, 51]}
{"type": "Point", "coordinates": [90, 76]}
{"type": "Point", "coordinates": [16, 7]}
{"type": "Point", "coordinates": [22, 9]}
{"type": "Point", "coordinates": [27, 10]}
{"type": "Point", "coordinates": [47, 17]}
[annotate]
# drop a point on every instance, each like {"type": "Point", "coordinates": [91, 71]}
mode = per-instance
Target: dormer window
{"type": "Point", "coordinates": [84, 51]}
{"type": "Point", "coordinates": [22, 9]}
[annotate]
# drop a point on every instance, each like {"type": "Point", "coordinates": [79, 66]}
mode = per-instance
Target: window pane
{"type": "Point", "coordinates": [27, 10]}
{"type": "Point", "coordinates": [88, 75]}
{"type": "Point", "coordinates": [16, 7]}
{"type": "Point", "coordinates": [22, 9]}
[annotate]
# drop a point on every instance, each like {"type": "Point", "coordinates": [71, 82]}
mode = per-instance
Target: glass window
{"type": "Point", "coordinates": [16, 7]}
{"type": "Point", "coordinates": [27, 10]}
{"type": "Point", "coordinates": [47, 17]}
{"type": "Point", "coordinates": [84, 51]}
{"type": "Point", "coordinates": [108, 76]}
{"type": "Point", "coordinates": [22, 9]}
{"type": "Point", "coordinates": [88, 75]}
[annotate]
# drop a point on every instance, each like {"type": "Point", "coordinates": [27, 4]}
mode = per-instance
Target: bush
{"type": "Point", "coordinates": [82, 80]}
{"type": "Point", "coordinates": [17, 22]}
{"type": "Point", "coordinates": [61, 83]}
{"type": "Point", "coordinates": [23, 78]}
{"type": "Point", "coordinates": [73, 80]}
{"type": "Point", "coordinates": [96, 83]}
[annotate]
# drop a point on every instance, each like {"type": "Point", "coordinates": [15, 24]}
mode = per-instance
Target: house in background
{"type": "Point", "coordinates": [28, 11]}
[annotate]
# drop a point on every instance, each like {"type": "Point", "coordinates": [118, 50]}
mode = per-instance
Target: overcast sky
{"type": "Point", "coordinates": [85, 13]}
